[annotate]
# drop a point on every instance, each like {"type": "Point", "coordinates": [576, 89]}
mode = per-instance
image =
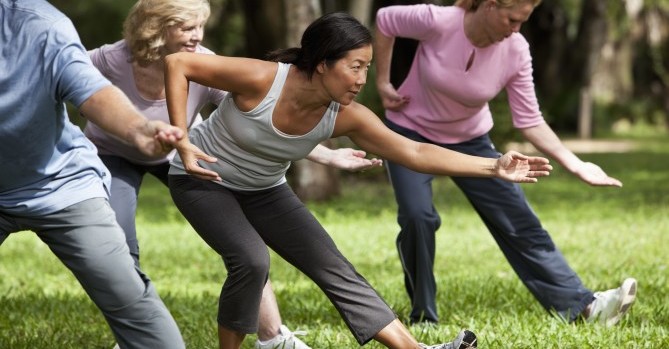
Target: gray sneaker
{"type": "Point", "coordinates": [610, 306]}
{"type": "Point", "coordinates": [466, 339]}
{"type": "Point", "coordinates": [285, 340]}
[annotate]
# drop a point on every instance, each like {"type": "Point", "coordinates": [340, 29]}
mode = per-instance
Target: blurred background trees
{"type": "Point", "coordinates": [600, 67]}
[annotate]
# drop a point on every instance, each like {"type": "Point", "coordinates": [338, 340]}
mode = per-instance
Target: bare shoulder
{"type": "Point", "coordinates": [240, 75]}
{"type": "Point", "coordinates": [356, 110]}
{"type": "Point", "coordinates": [355, 117]}
{"type": "Point", "coordinates": [244, 67]}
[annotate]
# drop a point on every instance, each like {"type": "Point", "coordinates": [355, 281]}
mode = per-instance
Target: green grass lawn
{"type": "Point", "coordinates": [606, 234]}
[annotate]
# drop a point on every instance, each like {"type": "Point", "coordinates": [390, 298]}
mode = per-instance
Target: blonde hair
{"type": "Point", "coordinates": [473, 5]}
{"type": "Point", "coordinates": [144, 28]}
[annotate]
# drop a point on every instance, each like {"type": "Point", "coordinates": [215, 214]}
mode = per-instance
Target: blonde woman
{"type": "Point", "coordinates": [467, 54]}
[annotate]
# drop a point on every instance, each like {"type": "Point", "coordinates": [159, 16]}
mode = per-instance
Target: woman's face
{"type": "Point", "coordinates": [184, 37]}
{"type": "Point", "coordinates": [504, 21]}
{"type": "Point", "coordinates": [346, 77]}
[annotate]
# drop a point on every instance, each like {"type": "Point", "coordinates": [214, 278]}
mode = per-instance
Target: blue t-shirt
{"type": "Point", "coordinates": [46, 162]}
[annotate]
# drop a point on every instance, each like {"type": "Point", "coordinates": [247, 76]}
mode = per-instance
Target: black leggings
{"type": "Point", "coordinates": [239, 225]}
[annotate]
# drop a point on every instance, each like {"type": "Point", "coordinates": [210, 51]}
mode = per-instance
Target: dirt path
{"type": "Point", "coordinates": [580, 146]}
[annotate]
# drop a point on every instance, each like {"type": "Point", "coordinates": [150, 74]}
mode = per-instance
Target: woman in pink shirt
{"type": "Point", "coordinates": [467, 54]}
{"type": "Point", "coordinates": [152, 30]}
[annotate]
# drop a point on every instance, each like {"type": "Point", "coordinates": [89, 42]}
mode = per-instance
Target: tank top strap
{"type": "Point", "coordinates": [279, 80]}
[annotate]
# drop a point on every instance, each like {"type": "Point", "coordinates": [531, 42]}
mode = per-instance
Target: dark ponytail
{"type": "Point", "coordinates": [287, 55]}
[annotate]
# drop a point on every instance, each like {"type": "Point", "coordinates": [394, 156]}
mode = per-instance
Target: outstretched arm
{"type": "Point", "coordinates": [110, 109]}
{"type": "Point", "coordinates": [368, 132]}
{"type": "Point", "coordinates": [546, 141]}
{"type": "Point", "coordinates": [343, 158]}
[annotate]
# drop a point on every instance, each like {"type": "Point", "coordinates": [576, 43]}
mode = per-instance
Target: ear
{"type": "Point", "coordinates": [320, 68]}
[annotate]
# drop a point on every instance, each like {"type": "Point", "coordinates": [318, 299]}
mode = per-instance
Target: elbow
{"type": "Point", "coordinates": [173, 61]}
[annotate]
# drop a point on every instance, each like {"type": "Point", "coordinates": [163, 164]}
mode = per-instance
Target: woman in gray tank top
{"type": "Point", "coordinates": [229, 177]}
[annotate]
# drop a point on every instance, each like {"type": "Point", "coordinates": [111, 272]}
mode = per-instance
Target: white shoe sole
{"type": "Point", "coordinates": [627, 298]}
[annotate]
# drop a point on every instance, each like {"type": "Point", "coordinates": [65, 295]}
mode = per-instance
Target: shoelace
{"type": "Point", "coordinates": [468, 342]}
{"type": "Point", "coordinates": [290, 335]}
{"type": "Point", "coordinates": [296, 333]}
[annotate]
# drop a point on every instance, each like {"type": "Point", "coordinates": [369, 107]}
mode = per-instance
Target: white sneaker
{"type": "Point", "coordinates": [116, 347]}
{"type": "Point", "coordinates": [610, 306]}
{"type": "Point", "coordinates": [285, 340]}
{"type": "Point", "coordinates": [466, 339]}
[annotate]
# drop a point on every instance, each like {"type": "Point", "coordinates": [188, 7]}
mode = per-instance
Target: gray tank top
{"type": "Point", "coordinates": [252, 154]}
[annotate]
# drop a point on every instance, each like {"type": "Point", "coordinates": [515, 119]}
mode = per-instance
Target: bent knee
{"type": "Point", "coordinates": [250, 265]}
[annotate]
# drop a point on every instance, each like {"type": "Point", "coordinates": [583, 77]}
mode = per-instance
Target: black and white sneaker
{"type": "Point", "coordinates": [466, 339]}
{"type": "Point", "coordinates": [610, 306]}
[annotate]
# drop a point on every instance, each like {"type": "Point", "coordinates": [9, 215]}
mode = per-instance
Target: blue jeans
{"type": "Point", "coordinates": [88, 240]}
{"type": "Point", "coordinates": [507, 215]}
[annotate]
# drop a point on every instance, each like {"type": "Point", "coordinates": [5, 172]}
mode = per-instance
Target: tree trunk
{"type": "Point", "coordinates": [362, 10]}
{"type": "Point", "coordinates": [264, 25]}
{"type": "Point", "coordinates": [585, 114]}
{"type": "Point", "coordinates": [546, 31]}
{"type": "Point", "coordinates": [309, 180]}
{"type": "Point", "coordinates": [593, 34]}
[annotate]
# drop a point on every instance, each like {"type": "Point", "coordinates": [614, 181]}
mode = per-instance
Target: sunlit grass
{"type": "Point", "coordinates": [605, 233]}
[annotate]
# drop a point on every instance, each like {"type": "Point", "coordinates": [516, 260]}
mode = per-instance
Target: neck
{"type": "Point", "coordinates": [308, 92]}
{"type": "Point", "coordinates": [474, 24]}
{"type": "Point", "coordinates": [149, 80]}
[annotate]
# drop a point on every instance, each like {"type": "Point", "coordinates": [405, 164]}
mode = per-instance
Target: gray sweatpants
{"type": "Point", "coordinates": [88, 240]}
{"type": "Point", "coordinates": [240, 225]}
{"type": "Point", "coordinates": [126, 181]}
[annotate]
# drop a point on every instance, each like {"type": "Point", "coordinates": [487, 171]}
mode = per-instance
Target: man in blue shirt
{"type": "Point", "coordinates": [52, 181]}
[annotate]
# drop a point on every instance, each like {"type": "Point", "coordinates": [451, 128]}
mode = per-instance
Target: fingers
{"type": "Point", "coordinates": [537, 160]}
{"type": "Point", "coordinates": [208, 176]}
{"type": "Point", "coordinates": [166, 139]}
{"type": "Point", "coordinates": [528, 180]}
{"type": "Point", "coordinates": [392, 100]}
{"type": "Point", "coordinates": [594, 175]}
{"type": "Point", "coordinates": [614, 182]}
{"type": "Point", "coordinates": [515, 155]}
{"type": "Point", "coordinates": [395, 104]}
{"type": "Point", "coordinates": [166, 133]}
{"type": "Point", "coordinates": [208, 158]}
{"type": "Point", "coordinates": [535, 174]}
{"type": "Point", "coordinates": [358, 153]}
{"type": "Point", "coordinates": [541, 167]}
{"type": "Point", "coordinates": [606, 182]}
{"type": "Point", "coordinates": [376, 162]}
{"type": "Point", "coordinates": [194, 169]}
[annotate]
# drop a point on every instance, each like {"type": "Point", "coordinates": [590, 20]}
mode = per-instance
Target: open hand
{"type": "Point", "coordinates": [352, 160]}
{"type": "Point", "coordinates": [516, 167]}
{"type": "Point", "coordinates": [594, 175]}
{"type": "Point", "coordinates": [190, 155]}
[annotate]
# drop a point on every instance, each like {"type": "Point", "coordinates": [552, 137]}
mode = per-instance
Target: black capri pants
{"type": "Point", "coordinates": [239, 225]}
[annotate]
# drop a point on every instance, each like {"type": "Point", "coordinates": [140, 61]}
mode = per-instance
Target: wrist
{"type": "Point", "coordinates": [136, 131]}
{"type": "Point", "coordinates": [575, 166]}
{"type": "Point", "coordinates": [492, 168]}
